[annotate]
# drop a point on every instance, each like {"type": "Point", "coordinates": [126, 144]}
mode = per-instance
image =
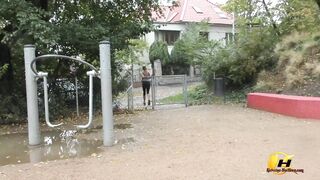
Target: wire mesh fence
{"type": "Point", "coordinates": [165, 90]}
{"type": "Point", "coordinates": [170, 89]}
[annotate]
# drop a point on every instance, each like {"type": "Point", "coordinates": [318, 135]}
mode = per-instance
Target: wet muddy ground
{"type": "Point", "coordinates": [200, 142]}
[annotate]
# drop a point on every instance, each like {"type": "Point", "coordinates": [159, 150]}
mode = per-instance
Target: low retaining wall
{"type": "Point", "coordinates": [296, 106]}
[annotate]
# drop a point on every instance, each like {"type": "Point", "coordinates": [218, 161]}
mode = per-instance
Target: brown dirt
{"type": "Point", "coordinates": [200, 142]}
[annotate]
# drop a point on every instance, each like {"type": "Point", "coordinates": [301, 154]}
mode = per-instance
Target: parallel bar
{"type": "Point", "coordinates": [32, 97]}
{"type": "Point", "coordinates": [106, 92]}
{"type": "Point", "coordinates": [77, 95]}
{"type": "Point", "coordinates": [90, 74]}
{"type": "Point", "coordinates": [46, 99]}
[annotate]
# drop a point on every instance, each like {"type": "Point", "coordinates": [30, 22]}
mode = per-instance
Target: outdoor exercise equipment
{"type": "Point", "coordinates": [31, 87]}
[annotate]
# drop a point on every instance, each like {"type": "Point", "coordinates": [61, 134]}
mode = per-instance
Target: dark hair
{"type": "Point", "coordinates": [144, 67]}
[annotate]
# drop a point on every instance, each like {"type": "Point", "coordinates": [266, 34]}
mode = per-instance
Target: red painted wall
{"type": "Point", "coordinates": [297, 106]}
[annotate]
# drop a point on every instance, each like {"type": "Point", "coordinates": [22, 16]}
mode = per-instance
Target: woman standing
{"type": "Point", "coordinates": [146, 82]}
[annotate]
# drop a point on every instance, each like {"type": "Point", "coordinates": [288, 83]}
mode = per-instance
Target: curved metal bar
{"type": "Point", "coordinates": [43, 57]}
{"type": "Point", "coordinates": [91, 74]}
{"type": "Point", "coordinates": [46, 106]}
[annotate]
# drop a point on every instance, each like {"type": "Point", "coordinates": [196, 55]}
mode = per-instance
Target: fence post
{"type": "Point", "coordinates": [32, 97]}
{"type": "Point", "coordinates": [153, 91]}
{"type": "Point", "coordinates": [77, 95]}
{"type": "Point", "coordinates": [106, 93]}
{"type": "Point", "coordinates": [185, 90]}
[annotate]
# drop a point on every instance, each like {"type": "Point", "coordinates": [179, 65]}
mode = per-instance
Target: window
{"type": "Point", "coordinates": [170, 37]}
{"type": "Point", "coordinates": [220, 13]}
{"type": "Point", "coordinates": [230, 38]}
{"type": "Point", "coordinates": [204, 35]}
{"type": "Point", "coordinates": [197, 9]}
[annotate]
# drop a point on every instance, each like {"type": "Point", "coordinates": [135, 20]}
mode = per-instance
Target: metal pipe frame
{"type": "Point", "coordinates": [106, 93]}
{"type": "Point", "coordinates": [91, 74]}
{"type": "Point", "coordinates": [47, 56]}
{"type": "Point", "coordinates": [44, 75]}
{"type": "Point", "coordinates": [32, 97]}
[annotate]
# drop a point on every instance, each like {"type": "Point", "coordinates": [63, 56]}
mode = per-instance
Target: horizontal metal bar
{"type": "Point", "coordinates": [47, 56]}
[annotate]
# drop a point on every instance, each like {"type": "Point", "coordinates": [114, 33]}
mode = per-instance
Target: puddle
{"type": "Point", "coordinates": [14, 148]}
{"type": "Point", "coordinates": [122, 126]}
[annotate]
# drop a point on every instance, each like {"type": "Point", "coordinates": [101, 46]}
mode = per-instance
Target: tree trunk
{"type": "Point", "coordinates": [318, 3]}
{"type": "Point", "coordinates": [270, 17]}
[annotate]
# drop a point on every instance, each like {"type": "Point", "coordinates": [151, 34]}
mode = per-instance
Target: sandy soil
{"type": "Point", "coordinates": [202, 142]}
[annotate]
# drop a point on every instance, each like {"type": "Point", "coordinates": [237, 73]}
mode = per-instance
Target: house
{"type": "Point", "coordinates": [177, 14]}
{"type": "Point", "coordinates": [175, 19]}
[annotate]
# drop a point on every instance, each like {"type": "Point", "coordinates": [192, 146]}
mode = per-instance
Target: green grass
{"type": "Point", "coordinates": [173, 99]}
{"type": "Point", "coordinates": [202, 95]}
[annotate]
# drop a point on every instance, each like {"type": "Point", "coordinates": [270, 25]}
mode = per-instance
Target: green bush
{"type": "Point", "coordinates": [241, 62]}
{"type": "Point", "coordinates": [159, 50]}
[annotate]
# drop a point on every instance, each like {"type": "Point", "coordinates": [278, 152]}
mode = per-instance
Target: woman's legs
{"type": "Point", "coordinates": [148, 94]}
{"type": "Point", "coordinates": [146, 90]}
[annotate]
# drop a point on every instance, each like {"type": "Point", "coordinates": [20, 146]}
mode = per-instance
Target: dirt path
{"type": "Point", "coordinates": [202, 142]}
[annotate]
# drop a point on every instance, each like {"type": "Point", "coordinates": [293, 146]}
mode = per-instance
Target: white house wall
{"type": "Point", "coordinates": [216, 32]}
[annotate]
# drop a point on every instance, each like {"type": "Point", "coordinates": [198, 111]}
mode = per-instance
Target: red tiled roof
{"type": "Point", "coordinates": [193, 11]}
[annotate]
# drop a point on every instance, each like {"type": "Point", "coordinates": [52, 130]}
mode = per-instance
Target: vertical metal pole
{"type": "Point", "coordinates": [32, 97]}
{"type": "Point", "coordinates": [153, 92]}
{"type": "Point", "coordinates": [185, 90]}
{"type": "Point", "coordinates": [128, 98]}
{"type": "Point", "coordinates": [46, 99]}
{"type": "Point", "coordinates": [106, 92]}
{"type": "Point", "coordinates": [90, 98]}
{"type": "Point", "coordinates": [132, 80]}
{"type": "Point", "coordinates": [77, 95]}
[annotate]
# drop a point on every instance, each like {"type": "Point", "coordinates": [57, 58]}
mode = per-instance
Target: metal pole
{"type": "Point", "coordinates": [32, 97]}
{"type": "Point", "coordinates": [153, 92]}
{"type": "Point", "coordinates": [185, 90]}
{"type": "Point", "coordinates": [77, 95]}
{"type": "Point", "coordinates": [46, 99]}
{"type": "Point", "coordinates": [106, 92]}
{"type": "Point", "coordinates": [132, 80]}
{"type": "Point", "coordinates": [90, 74]}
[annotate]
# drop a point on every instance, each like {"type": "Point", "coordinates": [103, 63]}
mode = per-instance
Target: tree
{"type": "Point", "coordinates": [284, 16]}
{"type": "Point", "coordinates": [159, 50]}
{"type": "Point", "coordinates": [65, 27]}
{"type": "Point", "coordinates": [130, 55]}
{"type": "Point", "coordinates": [193, 43]}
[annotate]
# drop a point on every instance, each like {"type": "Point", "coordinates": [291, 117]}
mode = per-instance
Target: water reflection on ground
{"type": "Point", "coordinates": [55, 145]}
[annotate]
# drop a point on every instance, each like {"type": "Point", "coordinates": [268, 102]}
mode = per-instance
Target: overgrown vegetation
{"type": "Point", "coordinates": [298, 68]}
{"type": "Point", "coordinates": [275, 48]}
{"type": "Point", "coordinates": [201, 94]}
{"type": "Point", "coordinates": [72, 28]}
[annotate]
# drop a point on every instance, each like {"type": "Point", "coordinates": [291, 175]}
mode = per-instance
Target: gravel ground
{"type": "Point", "coordinates": [202, 142]}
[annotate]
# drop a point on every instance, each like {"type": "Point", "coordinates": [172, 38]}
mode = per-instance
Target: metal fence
{"type": "Point", "coordinates": [165, 90]}
{"type": "Point", "coordinates": [169, 89]}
